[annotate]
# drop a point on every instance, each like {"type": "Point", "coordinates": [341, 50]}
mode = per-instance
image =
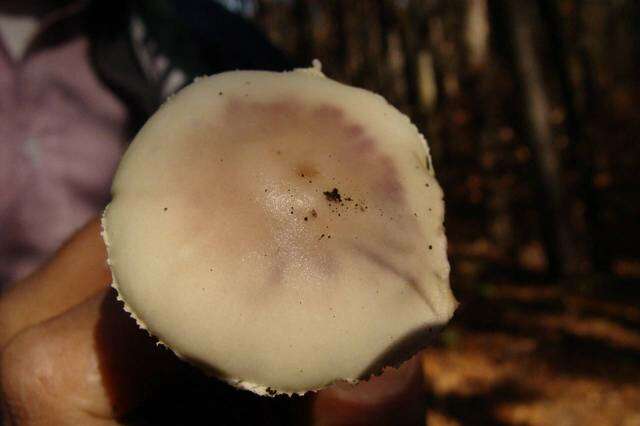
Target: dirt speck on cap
{"type": "Point", "coordinates": [333, 195]}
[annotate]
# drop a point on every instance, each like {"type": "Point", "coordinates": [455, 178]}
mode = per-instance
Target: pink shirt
{"type": "Point", "coordinates": [61, 135]}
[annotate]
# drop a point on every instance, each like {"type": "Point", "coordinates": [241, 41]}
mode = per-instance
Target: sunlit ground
{"type": "Point", "coordinates": [539, 354]}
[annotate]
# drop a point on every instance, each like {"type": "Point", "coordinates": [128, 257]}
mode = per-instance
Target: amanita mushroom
{"type": "Point", "coordinates": [282, 231]}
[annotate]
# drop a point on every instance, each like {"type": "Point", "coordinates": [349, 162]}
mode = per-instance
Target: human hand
{"type": "Point", "coordinates": [69, 354]}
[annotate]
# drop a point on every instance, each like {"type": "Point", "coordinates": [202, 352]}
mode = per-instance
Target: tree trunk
{"type": "Point", "coordinates": [304, 40]}
{"type": "Point", "coordinates": [575, 127]}
{"type": "Point", "coordinates": [340, 46]}
{"type": "Point", "coordinates": [520, 21]}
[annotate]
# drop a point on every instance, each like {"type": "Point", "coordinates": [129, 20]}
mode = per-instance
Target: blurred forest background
{"type": "Point", "coordinates": [531, 111]}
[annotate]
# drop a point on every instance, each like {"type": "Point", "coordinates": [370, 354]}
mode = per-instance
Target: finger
{"type": "Point", "coordinates": [77, 271]}
{"type": "Point", "coordinates": [396, 397]}
{"type": "Point", "coordinates": [89, 366]}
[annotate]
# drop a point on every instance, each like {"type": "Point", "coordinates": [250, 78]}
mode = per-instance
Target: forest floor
{"type": "Point", "coordinates": [539, 354]}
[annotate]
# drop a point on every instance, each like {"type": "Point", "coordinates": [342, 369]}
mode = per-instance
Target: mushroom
{"type": "Point", "coordinates": [282, 231]}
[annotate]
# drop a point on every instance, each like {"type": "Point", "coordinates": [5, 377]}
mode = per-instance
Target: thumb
{"type": "Point", "coordinates": [90, 366]}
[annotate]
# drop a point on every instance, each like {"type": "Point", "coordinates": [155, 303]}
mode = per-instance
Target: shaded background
{"type": "Point", "coordinates": [530, 109]}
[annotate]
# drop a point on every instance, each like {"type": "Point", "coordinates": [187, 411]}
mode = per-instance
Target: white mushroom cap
{"type": "Point", "coordinates": [281, 230]}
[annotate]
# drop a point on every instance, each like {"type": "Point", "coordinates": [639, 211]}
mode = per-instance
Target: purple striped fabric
{"type": "Point", "coordinates": [61, 135]}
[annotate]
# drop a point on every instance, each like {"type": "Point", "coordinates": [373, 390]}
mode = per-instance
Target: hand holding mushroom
{"type": "Point", "coordinates": [281, 232]}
